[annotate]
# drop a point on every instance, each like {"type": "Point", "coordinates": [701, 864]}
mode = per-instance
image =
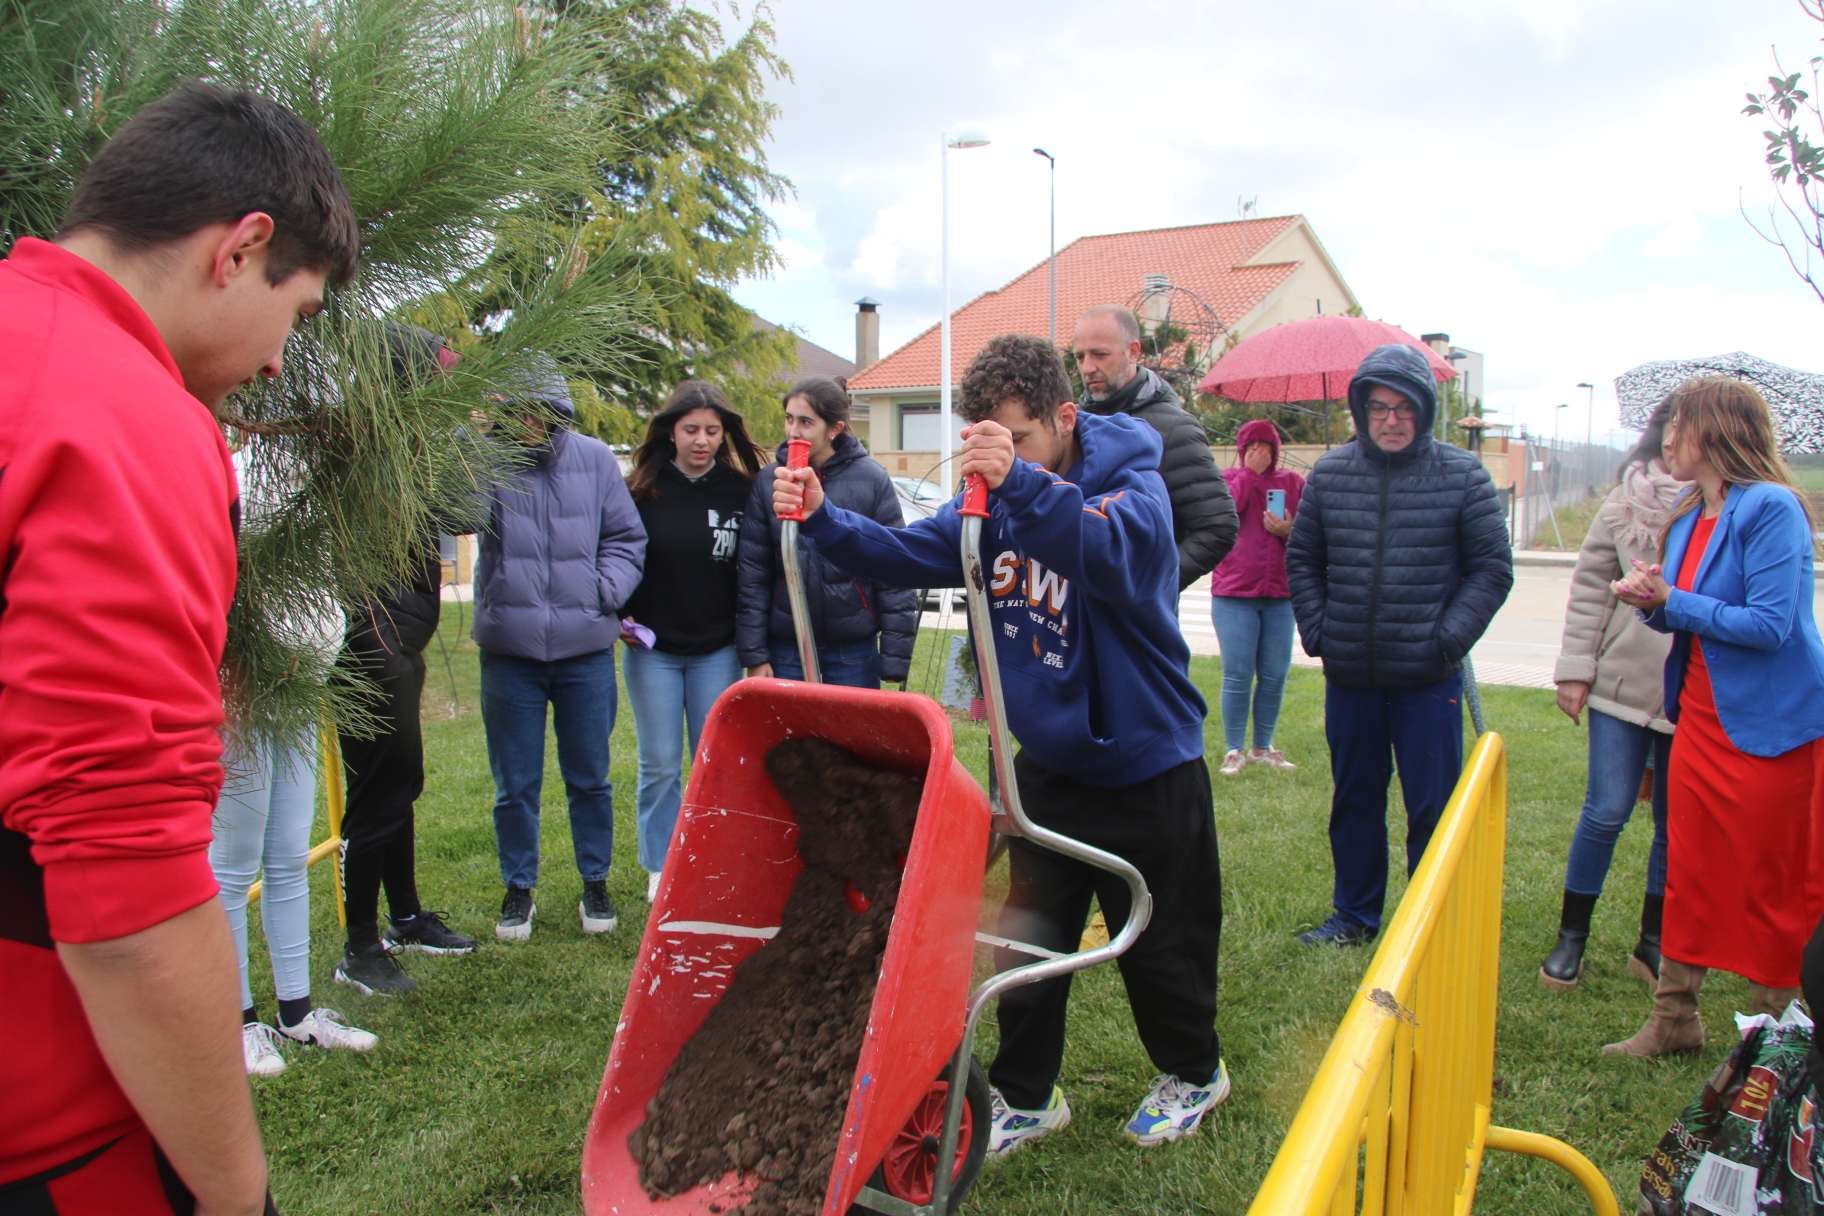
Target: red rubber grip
{"type": "Point", "coordinates": [975, 497]}
{"type": "Point", "coordinates": [797, 456]}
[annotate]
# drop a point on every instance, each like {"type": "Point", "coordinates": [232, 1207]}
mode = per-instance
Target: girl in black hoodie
{"type": "Point", "coordinates": [690, 481]}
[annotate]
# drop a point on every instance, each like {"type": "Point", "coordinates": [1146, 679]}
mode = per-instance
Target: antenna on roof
{"type": "Point", "coordinates": [1246, 205]}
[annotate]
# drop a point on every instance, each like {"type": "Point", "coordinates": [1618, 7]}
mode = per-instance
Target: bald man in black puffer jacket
{"type": "Point", "coordinates": [1398, 560]}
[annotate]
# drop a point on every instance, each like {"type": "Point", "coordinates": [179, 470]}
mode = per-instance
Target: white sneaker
{"type": "Point", "coordinates": [1232, 761]}
{"type": "Point", "coordinates": [652, 888]}
{"type": "Point", "coordinates": [1272, 757]}
{"type": "Point", "coordinates": [1010, 1127]}
{"type": "Point", "coordinates": [325, 1028]}
{"type": "Point", "coordinates": [1174, 1108]}
{"type": "Point", "coordinates": [260, 1049]}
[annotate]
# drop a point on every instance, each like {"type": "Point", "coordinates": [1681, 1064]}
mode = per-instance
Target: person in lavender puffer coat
{"type": "Point", "coordinates": [563, 550]}
{"type": "Point", "coordinates": [1251, 604]}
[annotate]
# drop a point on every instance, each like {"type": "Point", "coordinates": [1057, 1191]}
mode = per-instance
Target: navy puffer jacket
{"type": "Point", "coordinates": [843, 608]}
{"type": "Point", "coordinates": [1397, 561]}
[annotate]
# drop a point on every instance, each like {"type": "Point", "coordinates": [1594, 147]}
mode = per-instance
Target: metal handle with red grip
{"type": "Point", "coordinates": [975, 497]}
{"type": "Point", "coordinates": [797, 456]}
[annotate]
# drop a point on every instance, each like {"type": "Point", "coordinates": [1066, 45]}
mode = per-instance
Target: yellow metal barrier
{"type": "Point", "coordinates": [331, 769]}
{"type": "Point", "coordinates": [1398, 1114]}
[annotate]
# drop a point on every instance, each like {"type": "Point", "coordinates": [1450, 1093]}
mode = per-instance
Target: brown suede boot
{"type": "Point", "coordinates": [1674, 1025]}
{"type": "Point", "coordinates": [1769, 1000]}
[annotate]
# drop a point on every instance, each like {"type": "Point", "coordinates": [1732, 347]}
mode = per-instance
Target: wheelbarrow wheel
{"type": "Point", "coordinates": [909, 1169]}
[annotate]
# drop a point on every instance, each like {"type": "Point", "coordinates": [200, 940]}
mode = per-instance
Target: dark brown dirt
{"type": "Point", "coordinates": [762, 1086]}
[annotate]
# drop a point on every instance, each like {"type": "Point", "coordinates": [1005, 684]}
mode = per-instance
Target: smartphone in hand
{"type": "Point", "coordinates": [1276, 503]}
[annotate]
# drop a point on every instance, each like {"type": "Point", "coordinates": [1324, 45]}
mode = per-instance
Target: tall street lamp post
{"type": "Point", "coordinates": [963, 137]}
{"type": "Point", "coordinates": [1589, 417]}
{"type": "Point", "coordinates": [1053, 162]}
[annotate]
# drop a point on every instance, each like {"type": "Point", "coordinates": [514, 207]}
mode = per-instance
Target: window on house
{"type": "Point", "coordinates": [919, 429]}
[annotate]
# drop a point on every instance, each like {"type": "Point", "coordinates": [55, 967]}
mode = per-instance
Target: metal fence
{"type": "Point", "coordinates": [1557, 475]}
{"type": "Point", "coordinates": [1396, 1121]}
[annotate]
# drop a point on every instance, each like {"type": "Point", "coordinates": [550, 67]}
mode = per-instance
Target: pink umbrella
{"type": "Point", "coordinates": [1309, 360]}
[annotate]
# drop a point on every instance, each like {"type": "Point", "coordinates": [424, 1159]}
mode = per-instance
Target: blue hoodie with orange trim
{"type": "Point", "coordinates": [1083, 589]}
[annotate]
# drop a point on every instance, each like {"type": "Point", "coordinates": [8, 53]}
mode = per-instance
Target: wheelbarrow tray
{"type": "Point", "coordinates": [727, 877]}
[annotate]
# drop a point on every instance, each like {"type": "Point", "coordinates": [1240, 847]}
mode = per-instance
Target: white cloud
{"type": "Point", "coordinates": [1554, 182]}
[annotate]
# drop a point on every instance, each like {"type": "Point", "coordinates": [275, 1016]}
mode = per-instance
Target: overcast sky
{"type": "Point", "coordinates": [1554, 183]}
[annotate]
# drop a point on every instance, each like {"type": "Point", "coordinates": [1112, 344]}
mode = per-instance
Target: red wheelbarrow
{"type": "Point", "coordinates": [727, 877]}
{"type": "Point", "coordinates": [736, 862]}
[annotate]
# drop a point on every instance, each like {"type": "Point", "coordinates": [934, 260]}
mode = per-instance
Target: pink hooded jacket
{"type": "Point", "coordinates": [1256, 567]}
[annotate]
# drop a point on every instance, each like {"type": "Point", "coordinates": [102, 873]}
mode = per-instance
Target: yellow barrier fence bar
{"type": "Point", "coordinates": [1407, 1084]}
{"type": "Point", "coordinates": [331, 770]}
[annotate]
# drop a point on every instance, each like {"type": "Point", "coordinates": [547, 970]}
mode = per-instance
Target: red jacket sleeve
{"type": "Point", "coordinates": [116, 523]}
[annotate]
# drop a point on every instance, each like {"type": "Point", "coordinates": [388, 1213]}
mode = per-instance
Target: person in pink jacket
{"type": "Point", "coordinates": [1252, 605]}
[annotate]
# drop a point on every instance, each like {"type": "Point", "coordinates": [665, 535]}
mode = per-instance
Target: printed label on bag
{"type": "Point", "coordinates": [1723, 1187]}
{"type": "Point", "coordinates": [1757, 1091]}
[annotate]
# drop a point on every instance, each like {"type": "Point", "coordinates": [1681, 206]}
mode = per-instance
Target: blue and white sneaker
{"type": "Point", "coordinates": [1010, 1127]}
{"type": "Point", "coordinates": [1174, 1108]}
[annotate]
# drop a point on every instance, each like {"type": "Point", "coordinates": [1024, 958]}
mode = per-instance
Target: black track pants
{"type": "Point", "coordinates": [384, 775]}
{"type": "Point", "coordinates": [1166, 827]}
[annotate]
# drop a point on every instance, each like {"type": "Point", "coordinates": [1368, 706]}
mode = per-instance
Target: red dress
{"type": "Point", "coordinates": [1738, 835]}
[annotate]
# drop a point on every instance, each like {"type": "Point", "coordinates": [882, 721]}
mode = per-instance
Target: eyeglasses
{"type": "Point", "coordinates": [1405, 410]}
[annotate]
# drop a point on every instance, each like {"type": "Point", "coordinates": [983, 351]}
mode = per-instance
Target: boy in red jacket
{"type": "Point", "coordinates": [209, 225]}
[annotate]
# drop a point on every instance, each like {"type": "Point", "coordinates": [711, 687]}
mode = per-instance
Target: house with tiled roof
{"type": "Point", "coordinates": [811, 360]}
{"type": "Point", "coordinates": [1223, 282]}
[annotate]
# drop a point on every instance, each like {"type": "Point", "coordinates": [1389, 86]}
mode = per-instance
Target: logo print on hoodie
{"type": "Point", "coordinates": [723, 534]}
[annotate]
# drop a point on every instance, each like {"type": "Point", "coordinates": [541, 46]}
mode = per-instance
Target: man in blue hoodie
{"type": "Point", "coordinates": [1398, 560]}
{"type": "Point", "coordinates": [1083, 589]}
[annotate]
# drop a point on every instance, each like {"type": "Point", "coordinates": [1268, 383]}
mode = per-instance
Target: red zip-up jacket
{"type": "Point", "coordinates": [117, 534]}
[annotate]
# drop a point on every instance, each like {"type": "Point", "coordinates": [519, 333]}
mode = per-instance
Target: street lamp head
{"type": "Point", "coordinates": [966, 135]}
{"type": "Point", "coordinates": [1585, 384]}
{"type": "Point", "coordinates": [1048, 156]}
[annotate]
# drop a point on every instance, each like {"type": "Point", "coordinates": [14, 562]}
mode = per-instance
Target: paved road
{"type": "Point", "coordinates": [1519, 648]}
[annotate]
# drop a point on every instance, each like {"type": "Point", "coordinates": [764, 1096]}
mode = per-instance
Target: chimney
{"type": "Point", "coordinates": [1155, 301]}
{"type": "Point", "coordinates": [867, 333]}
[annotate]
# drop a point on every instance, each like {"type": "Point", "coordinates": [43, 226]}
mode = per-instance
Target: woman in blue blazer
{"type": "Point", "coordinates": [1745, 684]}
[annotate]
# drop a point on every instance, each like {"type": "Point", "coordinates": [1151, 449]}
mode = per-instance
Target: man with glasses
{"type": "Point", "coordinates": [1398, 560]}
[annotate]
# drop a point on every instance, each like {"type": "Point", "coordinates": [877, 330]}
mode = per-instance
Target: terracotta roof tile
{"type": "Point", "coordinates": [1209, 259]}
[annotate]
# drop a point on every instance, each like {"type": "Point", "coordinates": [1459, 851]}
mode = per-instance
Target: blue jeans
{"type": "Point", "coordinates": [1256, 640]}
{"type": "Point", "coordinates": [580, 691]}
{"type": "Point", "coordinates": [1618, 756]}
{"type": "Point", "coordinates": [1369, 730]}
{"type": "Point", "coordinates": [664, 690]}
{"type": "Point", "coordinates": [854, 664]}
{"type": "Point", "coordinates": [262, 830]}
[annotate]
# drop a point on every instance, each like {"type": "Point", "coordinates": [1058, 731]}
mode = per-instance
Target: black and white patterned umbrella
{"type": "Point", "coordinates": [1796, 398]}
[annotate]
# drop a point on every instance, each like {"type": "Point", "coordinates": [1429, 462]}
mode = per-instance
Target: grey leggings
{"type": "Point", "coordinates": [262, 830]}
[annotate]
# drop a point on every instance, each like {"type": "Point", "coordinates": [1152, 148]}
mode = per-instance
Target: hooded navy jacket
{"type": "Point", "coordinates": [843, 608]}
{"type": "Point", "coordinates": [1083, 587]}
{"type": "Point", "coordinates": [1397, 560]}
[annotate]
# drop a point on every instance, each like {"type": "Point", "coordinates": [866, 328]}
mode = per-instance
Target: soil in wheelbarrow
{"type": "Point", "coordinates": [762, 1087]}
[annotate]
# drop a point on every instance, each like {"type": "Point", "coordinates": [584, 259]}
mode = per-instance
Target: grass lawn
{"type": "Point", "coordinates": [478, 1096]}
{"type": "Point", "coordinates": [1573, 525]}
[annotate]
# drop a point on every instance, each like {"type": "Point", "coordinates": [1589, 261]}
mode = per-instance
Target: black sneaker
{"type": "Point", "coordinates": [426, 933]}
{"type": "Point", "coordinates": [1338, 932]}
{"type": "Point", "coordinates": [371, 971]}
{"type": "Point", "coordinates": [516, 913]}
{"type": "Point", "coordinates": [597, 909]}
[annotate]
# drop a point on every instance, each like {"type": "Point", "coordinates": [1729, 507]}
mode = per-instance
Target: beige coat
{"type": "Point", "coordinates": [1606, 644]}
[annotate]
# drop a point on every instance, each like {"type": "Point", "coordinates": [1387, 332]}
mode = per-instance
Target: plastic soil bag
{"type": "Point", "coordinates": [1749, 1144]}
